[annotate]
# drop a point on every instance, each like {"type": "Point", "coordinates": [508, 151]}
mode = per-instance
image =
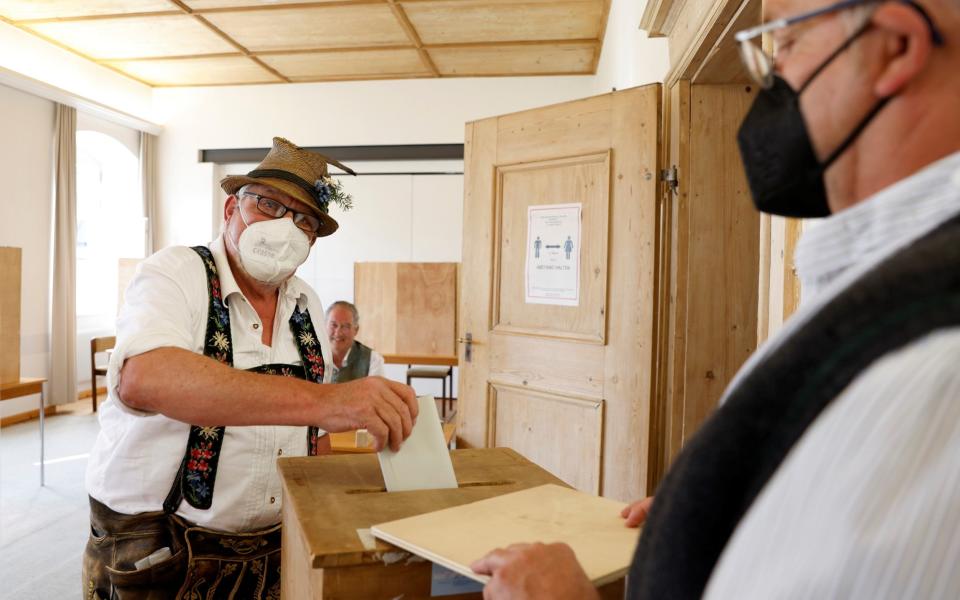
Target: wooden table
{"type": "Point", "coordinates": [327, 499]}
{"type": "Point", "coordinates": [346, 441]}
{"type": "Point", "coordinates": [417, 359]}
{"type": "Point", "coordinates": [27, 386]}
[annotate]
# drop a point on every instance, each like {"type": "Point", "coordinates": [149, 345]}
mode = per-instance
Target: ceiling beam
{"type": "Point", "coordinates": [343, 153]}
{"type": "Point", "coordinates": [243, 50]}
{"type": "Point", "coordinates": [411, 32]}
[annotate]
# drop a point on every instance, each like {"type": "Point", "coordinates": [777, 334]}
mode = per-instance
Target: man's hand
{"type": "Point", "coordinates": [385, 408]}
{"type": "Point", "coordinates": [636, 513]}
{"type": "Point", "coordinates": [534, 571]}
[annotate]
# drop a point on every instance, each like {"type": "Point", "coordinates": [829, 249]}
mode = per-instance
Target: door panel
{"type": "Point", "coordinates": [567, 386]}
{"type": "Point", "coordinates": [547, 365]}
{"type": "Point", "coordinates": [583, 179]}
{"type": "Point", "coordinates": [543, 427]}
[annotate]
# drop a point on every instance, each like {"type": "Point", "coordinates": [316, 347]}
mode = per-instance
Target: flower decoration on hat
{"type": "Point", "coordinates": [331, 190]}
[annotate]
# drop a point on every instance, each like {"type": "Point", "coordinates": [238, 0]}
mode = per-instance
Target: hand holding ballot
{"type": "Point", "coordinates": [386, 409]}
{"type": "Point", "coordinates": [534, 571]}
{"type": "Point", "coordinates": [545, 570]}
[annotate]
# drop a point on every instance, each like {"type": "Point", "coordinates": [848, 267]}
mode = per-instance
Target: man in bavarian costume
{"type": "Point", "coordinates": [832, 467]}
{"type": "Point", "coordinates": [221, 366]}
{"type": "Point", "coordinates": [351, 359]}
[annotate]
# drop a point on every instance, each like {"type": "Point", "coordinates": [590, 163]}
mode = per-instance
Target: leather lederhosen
{"type": "Point", "coordinates": [203, 563]}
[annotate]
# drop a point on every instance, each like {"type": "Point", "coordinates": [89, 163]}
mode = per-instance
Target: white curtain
{"type": "Point", "coordinates": [148, 181]}
{"type": "Point", "coordinates": [63, 288]}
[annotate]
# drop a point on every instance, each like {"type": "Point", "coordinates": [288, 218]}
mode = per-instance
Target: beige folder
{"type": "Point", "coordinates": [455, 537]}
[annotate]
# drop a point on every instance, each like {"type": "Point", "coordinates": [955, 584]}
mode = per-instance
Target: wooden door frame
{"type": "Point", "coordinates": [703, 53]}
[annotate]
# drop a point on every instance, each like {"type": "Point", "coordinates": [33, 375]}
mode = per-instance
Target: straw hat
{"type": "Point", "coordinates": [298, 173]}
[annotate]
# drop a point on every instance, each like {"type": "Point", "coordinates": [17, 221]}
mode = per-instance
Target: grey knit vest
{"type": "Point", "coordinates": [722, 469]}
{"type": "Point", "coordinates": [357, 364]}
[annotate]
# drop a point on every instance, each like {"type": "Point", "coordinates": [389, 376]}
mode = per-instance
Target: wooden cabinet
{"type": "Point", "coordinates": [10, 261]}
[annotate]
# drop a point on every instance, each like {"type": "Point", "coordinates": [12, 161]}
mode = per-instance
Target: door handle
{"type": "Point", "coordinates": [468, 351]}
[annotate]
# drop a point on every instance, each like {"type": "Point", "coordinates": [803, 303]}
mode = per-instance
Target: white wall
{"type": "Point", "coordinates": [26, 169]}
{"type": "Point", "coordinates": [45, 70]}
{"type": "Point", "coordinates": [629, 58]}
{"type": "Point", "coordinates": [320, 114]}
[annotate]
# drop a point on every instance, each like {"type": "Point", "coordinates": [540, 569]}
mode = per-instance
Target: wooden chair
{"type": "Point", "coordinates": [435, 373]}
{"type": "Point", "coordinates": [97, 345]}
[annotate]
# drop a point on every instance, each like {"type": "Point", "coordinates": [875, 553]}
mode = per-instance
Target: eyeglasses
{"type": "Point", "coordinates": [274, 209]}
{"type": "Point", "coordinates": [760, 64]}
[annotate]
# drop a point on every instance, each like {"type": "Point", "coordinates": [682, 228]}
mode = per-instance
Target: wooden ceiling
{"type": "Point", "coordinates": [229, 42]}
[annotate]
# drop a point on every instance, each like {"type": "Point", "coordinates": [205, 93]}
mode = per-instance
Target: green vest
{"type": "Point", "coordinates": [356, 366]}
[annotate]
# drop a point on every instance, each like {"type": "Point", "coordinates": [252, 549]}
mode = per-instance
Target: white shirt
{"type": "Point", "coordinates": [136, 455]}
{"type": "Point", "coordinates": [867, 503]}
{"type": "Point", "coordinates": [376, 363]}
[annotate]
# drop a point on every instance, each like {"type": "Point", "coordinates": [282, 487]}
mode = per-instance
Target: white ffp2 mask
{"type": "Point", "coordinates": [270, 251]}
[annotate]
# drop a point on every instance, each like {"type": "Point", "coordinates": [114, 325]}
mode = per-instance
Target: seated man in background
{"type": "Point", "coordinates": [351, 359]}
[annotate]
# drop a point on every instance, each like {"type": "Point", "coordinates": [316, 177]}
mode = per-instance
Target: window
{"type": "Point", "coordinates": [110, 219]}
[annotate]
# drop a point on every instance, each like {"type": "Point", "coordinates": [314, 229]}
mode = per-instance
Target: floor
{"type": "Point", "coordinates": [43, 529]}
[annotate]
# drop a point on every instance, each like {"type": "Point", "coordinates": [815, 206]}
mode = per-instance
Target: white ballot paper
{"type": "Point", "coordinates": [423, 461]}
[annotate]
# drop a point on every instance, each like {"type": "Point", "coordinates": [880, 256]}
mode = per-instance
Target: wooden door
{"type": "Point", "coordinates": [569, 387]}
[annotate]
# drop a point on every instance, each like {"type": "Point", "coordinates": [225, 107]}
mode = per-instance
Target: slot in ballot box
{"type": "Point", "coordinates": [330, 503]}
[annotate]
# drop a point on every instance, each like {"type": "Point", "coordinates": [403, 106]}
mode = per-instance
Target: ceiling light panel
{"type": "Point", "coordinates": [20, 10]}
{"type": "Point", "coordinates": [197, 71]}
{"type": "Point", "coordinates": [456, 22]}
{"type": "Point", "coordinates": [348, 64]}
{"type": "Point", "coordinates": [136, 37]}
{"type": "Point", "coordinates": [312, 28]}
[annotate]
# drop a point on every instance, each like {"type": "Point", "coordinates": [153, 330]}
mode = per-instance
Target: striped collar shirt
{"type": "Point", "coordinates": [867, 503]}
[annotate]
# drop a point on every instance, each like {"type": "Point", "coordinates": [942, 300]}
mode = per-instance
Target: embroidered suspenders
{"type": "Point", "coordinates": [197, 474]}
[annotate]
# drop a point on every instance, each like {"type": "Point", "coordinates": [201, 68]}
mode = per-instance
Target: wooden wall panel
{"type": "Point", "coordinates": [715, 257]}
{"type": "Point", "coordinates": [427, 309]}
{"type": "Point", "coordinates": [10, 284]}
{"type": "Point", "coordinates": [544, 427]}
{"type": "Point", "coordinates": [375, 296]}
{"type": "Point", "coordinates": [407, 308]}
{"type": "Point", "coordinates": [724, 275]}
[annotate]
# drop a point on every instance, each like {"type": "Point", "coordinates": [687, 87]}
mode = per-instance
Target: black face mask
{"type": "Point", "coordinates": [784, 174]}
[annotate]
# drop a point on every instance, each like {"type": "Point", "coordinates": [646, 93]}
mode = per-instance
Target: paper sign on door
{"type": "Point", "coordinates": [552, 274]}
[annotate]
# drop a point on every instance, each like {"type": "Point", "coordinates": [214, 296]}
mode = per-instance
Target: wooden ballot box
{"type": "Point", "coordinates": [326, 500]}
